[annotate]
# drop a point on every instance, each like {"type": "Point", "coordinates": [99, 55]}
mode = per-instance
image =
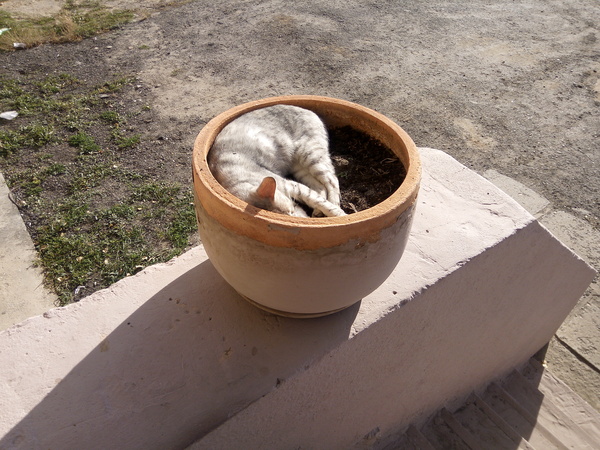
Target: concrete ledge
{"type": "Point", "coordinates": [448, 340]}
{"type": "Point", "coordinates": [173, 354]}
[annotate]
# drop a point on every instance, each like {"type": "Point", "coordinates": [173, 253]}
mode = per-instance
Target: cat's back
{"type": "Point", "coordinates": [291, 120]}
{"type": "Point", "coordinates": [265, 137]}
{"type": "Point", "coordinates": [281, 124]}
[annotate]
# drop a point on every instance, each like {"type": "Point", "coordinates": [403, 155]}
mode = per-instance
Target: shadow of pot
{"type": "Point", "coordinates": [305, 267]}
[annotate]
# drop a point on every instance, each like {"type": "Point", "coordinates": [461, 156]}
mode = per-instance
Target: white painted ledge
{"type": "Point", "coordinates": [173, 354]}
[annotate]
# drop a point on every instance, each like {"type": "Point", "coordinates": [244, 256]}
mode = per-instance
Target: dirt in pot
{"type": "Point", "coordinates": [368, 171]}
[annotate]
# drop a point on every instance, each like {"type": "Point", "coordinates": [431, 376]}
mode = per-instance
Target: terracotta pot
{"type": "Point", "coordinates": [305, 267]}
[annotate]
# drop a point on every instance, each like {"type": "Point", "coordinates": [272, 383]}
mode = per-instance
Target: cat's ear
{"type": "Point", "coordinates": [267, 188]}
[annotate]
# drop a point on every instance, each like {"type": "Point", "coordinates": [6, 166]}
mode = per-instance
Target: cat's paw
{"type": "Point", "coordinates": [299, 211]}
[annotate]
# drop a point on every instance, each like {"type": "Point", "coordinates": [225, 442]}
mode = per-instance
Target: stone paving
{"type": "Point", "coordinates": [22, 293]}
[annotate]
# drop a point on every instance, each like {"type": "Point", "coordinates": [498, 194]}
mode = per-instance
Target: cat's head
{"type": "Point", "coordinates": [268, 197]}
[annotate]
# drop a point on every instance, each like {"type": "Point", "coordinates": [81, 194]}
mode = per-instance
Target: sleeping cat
{"type": "Point", "coordinates": [252, 156]}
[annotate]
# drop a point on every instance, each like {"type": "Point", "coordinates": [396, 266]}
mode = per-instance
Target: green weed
{"type": "Point", "coordinates": [125, 142]}
{"type": "Point", "coordinates": [31, 180]}
{"type": "Point", "coordinates": [112, 117]}
{"type": "Point", "coordinates": [85, 143]}
{"type": "Point", "coordinates": [45, 156]}
{"type": "Point", "coordinates": [35, 135]}
{"type": "Point", "coordinates": [10, 142]}
{"type": "Point", "coordinates": [114, 85]}
{"type": "Point", "coordinates": [163, 193]}
{"type": "Point", "coordinates": [182, 224]}
{"type": "Point", "coordinates": [88, 173]}
{"type": "Point", "coordinates": [55, 169]}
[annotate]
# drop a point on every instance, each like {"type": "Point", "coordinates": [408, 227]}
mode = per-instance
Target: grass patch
{"type": "Point", "coordinates": [85, 143]}
{"type": "Point", "coordinates": [162, 193]}
{"type": "Point", "coordinates": [55, 169]}
{"type": "Point", "coordinates": [93, 215]}
{"type": "Point", "coordinates": [75, 22]}
{"type": "Point", "coordinates": [83, 246]}
{"type": "Point", "coordinates": [35, 135]}
{"type": "Point", "coordinates": [57, 100]}
{"type": "Point", "coordinates": [184, 220]}
{"type": "Point", "coordinates": [45, 99]}
{"type": "Point", "coordinates": [111, 248]}
{"type": "Point", "coordinates": [111, 117]}
{"type": "Point", "coordinates": [87, 174]}
{"type": "Point", "coordinates": [31, 180]}
{"type": "Point", "coordinates": [125, 142]}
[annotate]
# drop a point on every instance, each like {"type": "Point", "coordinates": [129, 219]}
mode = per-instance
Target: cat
{"type": "Point", "coordinates": [255, 153]}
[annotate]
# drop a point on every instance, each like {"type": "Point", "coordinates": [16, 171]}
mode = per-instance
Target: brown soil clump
{"type": "Point", "coordinates": [368, 171]}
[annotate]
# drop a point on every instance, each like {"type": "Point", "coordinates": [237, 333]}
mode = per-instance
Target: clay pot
{"type": "Point", "coordinates": [305, 267]}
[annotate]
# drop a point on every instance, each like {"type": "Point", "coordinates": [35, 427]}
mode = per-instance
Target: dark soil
{"type": "Point", "coordinates": [368, 171]}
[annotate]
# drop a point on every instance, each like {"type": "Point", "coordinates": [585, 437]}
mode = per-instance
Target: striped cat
{"type": "Point", "coordinates": [255, 153]}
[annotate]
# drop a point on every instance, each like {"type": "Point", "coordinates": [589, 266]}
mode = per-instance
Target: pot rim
{"type": "Point", "coordinates": [246, 219]}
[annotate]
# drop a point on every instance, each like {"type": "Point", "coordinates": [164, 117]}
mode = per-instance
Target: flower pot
{"type": "Point", "coordinates": [305, 267]}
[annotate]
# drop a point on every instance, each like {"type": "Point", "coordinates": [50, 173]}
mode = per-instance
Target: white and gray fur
{"type": "Point", "coordinates": [255, 153]}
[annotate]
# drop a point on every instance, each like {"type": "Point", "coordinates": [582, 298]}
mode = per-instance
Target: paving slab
{"type": "Point", "coordinates": [22, 292]}
{"type": "Point", "coordinates": [581, 330]}
{"type": "Point", "coordinates": [526, 197]}
{"type": "Point", "coordinates": [576, 233]}
{"type": "Point", "coordinates": [580, 377]}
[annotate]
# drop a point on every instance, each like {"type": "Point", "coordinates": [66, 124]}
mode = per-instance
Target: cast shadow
{"type": "Point", "coordinates": [189, 357]}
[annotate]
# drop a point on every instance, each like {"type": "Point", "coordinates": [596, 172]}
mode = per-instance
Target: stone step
{"type": "Point", "coordinates": [529, 409]}
{"type": "Point", "coordinates": [557, 426]}
{"type": "Point", "coordinates": [417, 440]}
{"type": "Point", "coordinates": [483, 428]}
{"type": "Point", "coordinates": [569, 403]}
{"type": "Point", "coordinates": [440, 433]}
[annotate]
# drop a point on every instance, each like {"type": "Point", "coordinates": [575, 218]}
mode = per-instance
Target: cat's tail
{"type": "Point", "coordinates": [302, 193]}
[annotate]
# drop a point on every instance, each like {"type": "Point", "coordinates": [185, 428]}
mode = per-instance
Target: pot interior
{"type": "Point", "coordinates": [299, 232]}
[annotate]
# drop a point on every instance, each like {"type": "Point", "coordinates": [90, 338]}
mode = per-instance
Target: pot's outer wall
{"type": "Point", "coordinates": [308, 233]}
{"type": "Point", "coordinates": [303, 282]}
{"type": "Point", "coordinates": [305, 266]}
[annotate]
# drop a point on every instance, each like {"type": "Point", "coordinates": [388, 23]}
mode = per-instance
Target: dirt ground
{"type": "Point", "coordinates": [514, 87]}
{"type": "Point", "coordinates": [510, 86]}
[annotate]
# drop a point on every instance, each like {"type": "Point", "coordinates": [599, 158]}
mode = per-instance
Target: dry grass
{"type": "Point", "coordinates": [72, 24]}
